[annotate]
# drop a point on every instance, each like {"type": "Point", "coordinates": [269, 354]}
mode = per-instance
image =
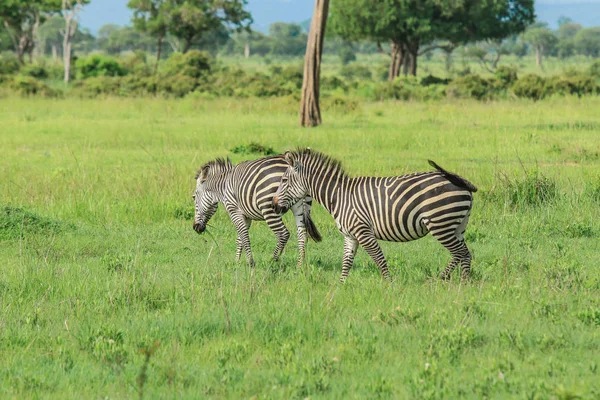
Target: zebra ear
{"type": "Point", "coordinates": [289, 158]}
{"type": "Point", "coordinates": [204, 173]}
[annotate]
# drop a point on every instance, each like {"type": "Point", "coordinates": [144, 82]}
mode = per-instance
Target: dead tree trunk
{"type": "Point", "coordinates": [158, 51]}
{"type": "Point", "coordinates": [310, 113]}
{"type": "Point", "coordinates": [70, 12]}
{"type": "Point", "coordinates": [538, 55]}
{"type": "Point", "coordinates": [54, 52]}
{"type": "Point", "coordinates": [397, 60]}
{"type": "Point", "coordinates": [247, 50]}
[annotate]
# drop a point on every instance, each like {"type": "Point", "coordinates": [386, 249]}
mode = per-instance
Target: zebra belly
{"type": "Point", "coordinates": [395, 233]}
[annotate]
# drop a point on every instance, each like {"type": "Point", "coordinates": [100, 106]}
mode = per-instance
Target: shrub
{"type": "Point", "coordinates": [9, 64]}
{"type": "Point", "coordinates": [407, 89]}
{"type": "Point", "coordinates": [98, 65]}
{"type": "Point", "coordinates": [472, 86]}
{"type": "Point", "coordinates": [574, 85]}
{"type": "Point", "coordinates": [178, 85]}
{"type": "Point", "coordinates": [340, 104]}
{"type": "Point", "coordinates": [333, 83]}
{"type": "Point", "coordinates": [28, 86]}
{"type": "Point", "coordinates": [534, 190]}
{"type": "Point", "coordinates": [506, 76]}
{"type": "Point", "coordinates": [193, 64]}
{"type": "Point", "coordinates": [136, 64]}
{"type": "Point", "coordinates": [99, 85]}
{"type": "Point", "coordinates": [356, 72]}
{"type": "Point", "coordinates": [347, 55]}
{"type": "Point", "coordinates": [254, 148]}
{"type": "Point", "coordinates": [291, 75]}
{"type": "Point", "coordinates": [35, 71]}
{"type": "Point", "coordinates": [531, 87]}
{"type": "Point", "coordinates": [595, 69]}
{"type": "Point", "coordinates": [434, 80]}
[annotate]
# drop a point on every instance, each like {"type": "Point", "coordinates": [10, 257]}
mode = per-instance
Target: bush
{"type": "Point", "coordinates": [253, 148]}
{"type": "Point", "coordinates": [434, 80]}
{"type": "Point", "coordinates": [574, 85]}
{"type": "Point", "coordinates": [98, 65]}
{"type": "Point", "coordinates": [35, 71]}
{"type": "Point", "coordinates": [237, 83]}
{"type": "Point", "coordinates": [177, 86]}
{"type": "Point", "coordinates": [595, 69]}
{"type": "Point", "coordinates": [347, 55]}
{"type": "Point", "coordinates": [531, 87]}
{"type": "Point", "coordinates": [506, 76]}
{"type": "Point", "coordinates": [407, 89]}
{"type": "Point", "coordinates": [291, 75]}
{"type": "Point", "coordinates": [28, 86]}
{"type": "Point", "coordinates": [356, 72]}
{"type": "Point", "coordinates": [9, 64]}
{"type": "Point", "coordinates": [340, 104]}
{"type": "Point", "coordinates": [472, 86]}
{"type": "Point", "coordinates": [193, 64]}
{"type": "Point", "coordinates": [99, 85]}
{"type": "Point", "coordinates": [136, 64]}
{"type": "Point", "coordinates": [333, 83]}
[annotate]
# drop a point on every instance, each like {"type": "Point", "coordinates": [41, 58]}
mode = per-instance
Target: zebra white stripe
{"type": "Point", "coordinates": [246, 190]}
{"type": "Point", "coordinates": [398, 209]}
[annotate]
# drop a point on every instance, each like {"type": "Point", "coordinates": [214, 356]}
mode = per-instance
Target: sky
{"type": "Point", "coordinates": [264, 12]}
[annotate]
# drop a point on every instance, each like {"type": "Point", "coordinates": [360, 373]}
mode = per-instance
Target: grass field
{"type": "Point", "coordinates": [99, 262]}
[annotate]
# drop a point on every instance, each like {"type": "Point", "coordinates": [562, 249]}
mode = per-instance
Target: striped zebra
{"type": "Point", "coordinates": [397, 209]}
{"type": "Point", "coordinates": [246, 190]}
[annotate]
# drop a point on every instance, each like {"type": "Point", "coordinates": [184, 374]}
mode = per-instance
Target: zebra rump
{"type": "Point", "coordinates": [455, 179]}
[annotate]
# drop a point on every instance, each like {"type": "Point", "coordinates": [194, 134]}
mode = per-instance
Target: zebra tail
{"type": "Point", "coordinates": [311, 229]}
{"type": "Point", "coordinates": [455, 179]}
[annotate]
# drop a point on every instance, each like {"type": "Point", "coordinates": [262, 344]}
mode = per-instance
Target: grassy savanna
{"type": "Point", "coordinates": [99, 259]}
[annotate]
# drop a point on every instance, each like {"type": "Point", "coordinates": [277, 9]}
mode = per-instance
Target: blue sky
{"type": "Point", "coordinates": [100, 12]}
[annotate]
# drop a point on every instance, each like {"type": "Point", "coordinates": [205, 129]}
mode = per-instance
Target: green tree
{"type": "Point", "coordinates": [191, 20]}
{"type": "Point", "coordinates": [22, 18]}
{"type": "Point", "coordinates": [587, 42]}
{"type": "Point", "coordinates": [49, 35]}
{"type": "Point", "coordinates": [541, 39]}
{"type": "Point", "coordinates": [152, 17]}
{"type": "Point", "coordinates": [287, 39]}
{"type": "Point", "coordinates": [565, 47]}
{"type": "Point", "coordinates": [409, 26]}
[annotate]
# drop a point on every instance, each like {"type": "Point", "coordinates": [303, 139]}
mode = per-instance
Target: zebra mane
{"type": "Point", "coordinates": [215, 166]}
{"type": "Point", "coordinates": [329, 162]}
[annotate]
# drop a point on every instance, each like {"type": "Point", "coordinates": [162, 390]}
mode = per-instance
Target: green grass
{"type": "Point", "coordinates": [99, 259]}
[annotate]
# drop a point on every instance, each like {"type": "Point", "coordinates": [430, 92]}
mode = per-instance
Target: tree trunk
{"type": "Point", "coordinates": [247, 50]}
{"type": "Point", "coordinates": [397, 60]}
{"type": "Point", "coordinates": [19, 42]}
{"type": "Point", "coordinates": [413, 51]}
{"type": "Point", "coordinates": [310, 113]}
{"type": "Point", "coordinates": [158, 51]}
{"type": "Point", "coordinates": [54, 52]}
{"type": "Point", "coordinates": [187, 45]}
{"type": "Point", "coordinates": [538, 56]}
{"type": "Point", "coordinates": [67, 60]}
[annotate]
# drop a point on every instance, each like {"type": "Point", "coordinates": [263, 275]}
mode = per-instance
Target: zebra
{"type": "Point", "coordinates": [397, 209]}
{"type": "Point", "coordinates": [246, 190]}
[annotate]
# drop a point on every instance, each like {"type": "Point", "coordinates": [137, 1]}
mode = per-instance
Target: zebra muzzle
{"type": "Point", "coordinates": [199, 228]}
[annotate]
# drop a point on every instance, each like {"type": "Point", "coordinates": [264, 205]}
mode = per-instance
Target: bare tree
{"type": "Point", "coordinates": [310, 113]}
{"type": "Point", "coordinates": [70, 12]}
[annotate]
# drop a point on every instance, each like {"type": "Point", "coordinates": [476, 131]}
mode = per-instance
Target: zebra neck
{"type": "Point", "coordinates": [327, 190]}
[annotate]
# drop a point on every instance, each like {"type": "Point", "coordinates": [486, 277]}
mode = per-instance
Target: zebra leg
{"type": "Point", "coordinates": [368, 241]}
{"type": "Point", "coordinates": [350, 245]}
{"type": "Point", "coordinates": [276, 224]}
{"type": "Point", "coordinates": [452, 238]}
{"type": "Point", "coordinates": [298, 210]}
{"type": "Point", "coordinates": [242, 224]}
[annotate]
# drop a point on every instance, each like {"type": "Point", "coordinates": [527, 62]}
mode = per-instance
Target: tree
{"type": "Point", "coordinates": [287, 39]}
{"type": "Point", "coordinates": [587, 42]}
{"type": "Point", "coordinates": [151, 17]}
{"type": "Point", "coordinates": [487, 53]}
{"type": "Point", "coordinates": [70, 12]}
{"type": "Point", "coordinates": [190, 20]}
{"type": "Point", "coordinates": [566, 37]}
{"type": "Point", "coordinates": [411, 26]}
{"type": "Point", "coordinates": [22, 18]}
{"type": "Point", "coordinates": [541, 38]}
{"type": "Point", "coordinates": [49, 34]}
{"type": "Point", "coordinates": [310, 113]}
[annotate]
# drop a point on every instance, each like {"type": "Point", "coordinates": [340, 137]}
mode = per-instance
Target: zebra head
{"type": "Point", "coordinates": [206, 199]}
{"type": "Point", "coordinates": [293, 185]}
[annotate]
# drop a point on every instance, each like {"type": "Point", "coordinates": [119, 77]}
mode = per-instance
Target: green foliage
{"type": "Point", "coordinates": [177, 86]}
{"type": "Point", "coordinates": [534, 190]}
{"type": "Point", "coordinates": [35, 71]}
{"type": "Point", "coordinates": [356, 72]}
{"type": "Point", "coordinates": [29, 86]}
{"type": "Point", "coordinates": [595, 69]}
{"type": "Point", "coordinates": [347, 55]}
{"type": "Point", "coordinates": [471, 86]}
{"type": "Point", "coordinates": [194, 64]}
{"type": "Point", "coordinates": [434, 80]}
{"type": "Point", "coordinates": [253, 148]}
{"type": "Point", "coordinates": [531, 87]}
{"type": "Point", "coordinates": [572, 85]}
{"type": "Point", "coordinates": [9, 64]}
{"type": "Point", "coordinates": [98, 65]}
{"type": "Point", "coordinates": [587, 41]}
{"type": "Point", "coordinates": [506, 75]}
{"type": "Point", "coordinates": [408, 89]}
